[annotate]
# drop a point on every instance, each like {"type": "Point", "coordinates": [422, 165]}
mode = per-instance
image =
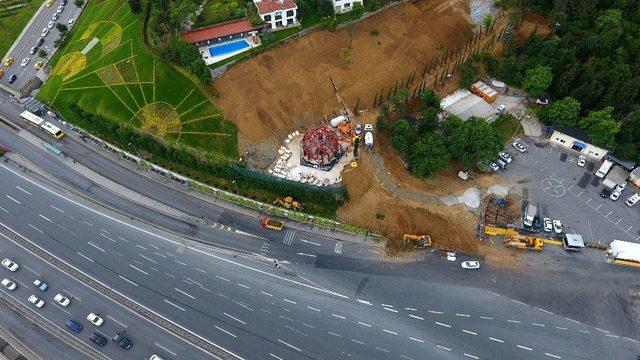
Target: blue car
{"type": "Point", "coordinates": [73, 326]}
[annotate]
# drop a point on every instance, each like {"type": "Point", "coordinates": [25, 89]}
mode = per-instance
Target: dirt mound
{"type": "Point", "coordinates": [533, 23]}
{"type": "Point", "coordinates": [268, 95]}
{"type": "Point", "coordinates": [375, 207]}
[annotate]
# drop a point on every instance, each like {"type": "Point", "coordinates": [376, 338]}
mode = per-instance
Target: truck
{"type": "Point", "coordinates": [604, 169]}
{"type": "Point", "coordinates": [268, 223]}
{"type": "Point", "coordinates": [529, 215]}
{"type": "Point", "coordinates": [523, 242]}
{"type": "Point", "coordinates": [624, 253]}
{"type": "Point", "coordinates": [417, 241]}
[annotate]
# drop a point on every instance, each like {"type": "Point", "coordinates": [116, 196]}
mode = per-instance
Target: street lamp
{"type": "Point", "coordinates": [134, 149]}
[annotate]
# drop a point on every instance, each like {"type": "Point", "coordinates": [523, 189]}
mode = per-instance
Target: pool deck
{"type": "Point", "coordinates": [208, 59]}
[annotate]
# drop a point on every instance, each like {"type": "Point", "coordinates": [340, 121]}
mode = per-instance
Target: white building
{"type": "Point", "coordinates": [578, 140]}
{"type": "Point", "coordinates": [343, 6]}
{"type": "Point", "coordinates": [277, 13]}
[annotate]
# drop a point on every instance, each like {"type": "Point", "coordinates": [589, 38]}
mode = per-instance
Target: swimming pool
{"type": "Point", "coordinates": [227, 48]}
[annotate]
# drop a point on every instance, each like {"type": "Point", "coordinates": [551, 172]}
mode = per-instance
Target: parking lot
{"type": "Point", "coordinates": [548, 176]}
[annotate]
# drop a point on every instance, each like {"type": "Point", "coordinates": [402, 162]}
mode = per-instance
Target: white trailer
{"type": "Point", "coordinates": [624, 253]}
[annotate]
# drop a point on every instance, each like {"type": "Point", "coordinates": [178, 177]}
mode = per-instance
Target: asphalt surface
{"type": "Point", "coordinates": [29, 40]}
{"type": "Point", "coordinates": [247, 306]}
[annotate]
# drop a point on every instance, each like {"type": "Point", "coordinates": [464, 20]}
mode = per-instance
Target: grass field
{"type": "Point", "coordinates": [508, 127]}
{"type": "Point", "coordinates": [105, 69]}
{"type": "Point", "coordinates": [14, 15]}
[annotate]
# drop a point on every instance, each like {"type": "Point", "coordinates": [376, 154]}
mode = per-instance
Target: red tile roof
{"type": "Point", "coordinates": [218, 30]}
{"type": "Point", "coordinates": [269, 6]}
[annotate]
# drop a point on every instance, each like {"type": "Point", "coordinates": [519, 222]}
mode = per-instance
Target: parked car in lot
{"type": "Point", "coordinates": [33, 50]}
{"type": "Point", "coordinates": [548, 225]}
{"type": "Point", "coordinates": [519, 147]}
{"type": "Point", "coordinates": [501, 163]}
{"type": "Point", "coordinates": [62, 300]}
{"type": "Point", "coordinates": [38, 65]}
{"type": "Point", "coordinates": [500, 109]}
{"type": "Point", "coordinates": [40, 41]}
{"type": "Point", "coordinates": [44, 32]}
{"type": "Point", "coordinates": [633, 199]}
{"type": "Point", "coordinates": [55, 16]}
{"type": "Point", "coordinates": [8, 61]}
{"type": "Point", "coordinates": [605, 193]}
{"type": "Point", "coordinates": [358, 129]}
{"type": "Point", "coordinates": [98, 339]}
{"type": "Point", "coordinates": [557, 226]}
{"type": "Point", "coordinates": [122, 340]}
{"type": "Point", "coordinates": [59, 9]}
{"type": "Point", "coordinates": [622, 185]}
{"type": "Point", "coordinates": [615, 194]}
{"type": "Point", "coordinates": [25, 61]}
{"type": "Point", "coordinates": [13, 78]}
{"type": "Point", "coordinates": [73, 326]}
{"type": "Point", "coordinates": [494, 166]}
{"type": "Point", "coordinates": [71, 22]}
{"type": "Point", "coordinates": [95, 319]}
{"type": "Point", "coordinates": [505, 156]}
{"type": "Point", "coordinates": [9, 285]}
{"type": "Point", "coordinates": [537, 222]}
{"type": "Point", "coordinates": [155, 357]}
{"type": "Point", "coordinates": [41, 285]}
{"type": "Point", "coordinates": [470, 265]}
{"type": "Point", "coordinates": [10, 265]}
{"type": "Point", "coordinates": [51, 24]}
{"type": "Point", "coordinates": [582, 160]}
{"type": "Point", "coordinates": [36, 301]}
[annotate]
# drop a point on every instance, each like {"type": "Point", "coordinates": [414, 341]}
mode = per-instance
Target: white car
{"type": "Point", "coordinates": [51, 24]}
{"type": "Point", "coordinates": [55, 16]}
{"type": "Point", "coordinates": [615, 194]}
{"type": "Point", "coordinates": [62, 300]}
{"type": "Point", "coordinates": [25, 61]}
{"type": "Point", "coordinates": [10, 265]}
{"type": "Point", "coordinates": [9, 285]}
{"type": "Point", "coordinates": [44, 32]}
{"type": "Point", "coordinates": [368, 127]}
{"type": "Point", "coordinates": [557, 226]}
{"type": "Point", "coordinates": [505, 156]}
{"type": "Point", "coordinates": [542, 101]}
{"type": "Point", "coordinates": [59, 9]}
{"type": "Point", "coordinates": [71, 22]}
{"type": "Point", "coordinates": [41, 285]}
{"type": "Point", "coordinates": [633, 199]}
{"type": "Point", "coordinates": [470, 265]}
{"type": "Point", "coordinates": [95, 319]}
{"type": "Point", "coordinates": [548, 225]}
{"type": "Point", "coordinates": [500, 109]}
{"type": "Point", "coordinates": [36, 301]}
{"type": "Point", "coordinates": [155, 357]}
{"type": "Point", "coordinates": [582, 160]}
{"type": "Point", "coordinates": [519, 147]}
{"type": "Point", "coordinates": [358, 129]}
{"type": "Point", "coordinates": [622, 185]}
{"type": "Point", "coordinates": [494, 166]}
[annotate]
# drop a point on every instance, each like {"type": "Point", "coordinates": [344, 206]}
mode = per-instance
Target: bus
{"type": "Point", "coordinates": [45, 125]}
{"type": "Point", "coordinates": [52, 130]}
{"type": "Point", "coordinates": [32, 118]}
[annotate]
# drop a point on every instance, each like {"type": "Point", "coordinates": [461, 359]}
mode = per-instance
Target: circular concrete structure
{"type": "Point", "coordinates": [320, 146]}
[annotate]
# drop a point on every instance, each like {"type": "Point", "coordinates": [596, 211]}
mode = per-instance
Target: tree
{"type": "Point", "coordinates": [78, 3]}
{"type": "Point", "coordinates": [402, 136]}
{"type": "Point", "coordinates": [136, 6]}
{"type": "Point", "coordinates": [345, 54]}
{"type": "Point", "coordinates": [602, 127]}
{"type": "Point", "coordinates": [428, 155]}
{"type": "Point", "coordinates": [62, 28]}
{"type": "Point", "coordinates": [609, 26]}
{"type": "Point", "coordinates": [537, 80]}
{"type": "Point", "coordinates": [325, 8]}
{"type": "Point", "coordinates": [562, 112]}
{"type": "Point", "coordinates": [428, 121]}
{"type": "Point", "coordinates": [357, 11]}
{"type": "Point", "coordinates": [429, 99]}
{"type": "Point", "coordinates": [42, 53]}
{"type": "Point", "coordinates": [469, 72]}
{"type": "Point", "coordinates": [487, 21]}
{"type": "Point", "coordinates": [474, 142]}
{"type": "Point", "coordinates": [399, 100]}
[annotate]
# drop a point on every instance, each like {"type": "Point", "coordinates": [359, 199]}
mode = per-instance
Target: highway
{"type": "Point", "coordinates": [242, 303]}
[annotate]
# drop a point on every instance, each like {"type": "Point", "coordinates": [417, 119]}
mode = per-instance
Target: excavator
{"type": "Point", "coordinates": [289, 203]}
{"type": "Point", "coordinates": [418, 241]}
{"type": "Point", "coordinates": [523, 242]}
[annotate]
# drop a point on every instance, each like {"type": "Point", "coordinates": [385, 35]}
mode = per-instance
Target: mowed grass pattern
{"type": "Point", "coordinates": [105, 69]}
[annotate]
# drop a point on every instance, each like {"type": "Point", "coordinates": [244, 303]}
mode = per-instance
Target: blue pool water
{"type": "Point", "coordinates": [223, 49]}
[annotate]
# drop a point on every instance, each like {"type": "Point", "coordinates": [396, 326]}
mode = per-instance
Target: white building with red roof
{"type": "Point", "coordinates": [277, 13]}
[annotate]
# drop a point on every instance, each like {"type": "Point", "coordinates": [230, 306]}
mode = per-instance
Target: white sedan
{"type": "Point", "coordinates": [519, 147]}
{"type": "Point", "coordinates": [633, 200]}
{"type": "Point", "coordinates": [36, 301]}
{"type": "Point", "coordinates": [582, 160]}
{"type": "Point", "coordinates": [95, 319]}
{"type": "Point", "coordinates": [470, 265]}
{"type": "Point", "coordinates": [9, 285]}
{"type": "Point", "coordinates": [62, 300]}
{"type": "Point", "coordinates": [615, 194]}
{"type": "Point", "coordinates": [557, 226]}
{"type": "Point", "coordinates": [548, 225]}
{"type": "Point", "coordinates": [10, 265]}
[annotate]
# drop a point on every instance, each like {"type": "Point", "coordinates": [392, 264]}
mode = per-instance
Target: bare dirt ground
{"type": "Point", "coordinates": [533, 22]}
{"type": "Point", "coordinates": [288, 87]}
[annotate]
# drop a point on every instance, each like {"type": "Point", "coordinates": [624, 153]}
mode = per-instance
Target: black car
{"type": "Point", "coordinates": [605, 192]}
{"type": "Point", "coordinates": [33, 50]}
{"type": "Point", "coordinates": [40, 42]}
{"type": "Point", "coordinates": [537, 223]}
{"type": "Point", "coordinates": [12, 78]}
{"type": "Point", "coordinates": [122, 340]}
{"type": "Point", "coordinates": [98, 339]}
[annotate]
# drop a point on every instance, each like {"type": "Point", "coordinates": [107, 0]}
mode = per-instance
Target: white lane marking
{"type": "Point", "coordinates": [3, 209]}
{"type": "Point", "coordinates": [486, 318]}
{"type": "Point", "coordinates": [358, 342]}
{"type": "Point", "coordinates": [496, 340]}
{"type": "Point", "coordinates": [463, 315]}
{"type": "Point", "coordinates": [518, 302]}
{"type": "Point", "coordinates": [410, 309]}
{"type": "Point", "coordinates": [383, 350]}
{"type": "Point", "coordinates": [46, 218]}
{"type": "Point", "coordinates": [192, 281]}
{"type": "Point", "coordinates": [127, 280]}
{"type": "Point", "coordinates": [310, 242]}
{"type": "Point", "coordinates": [147, 258]}
{"type": "Point", "coordinates": [435, 312]}
{"type": "Point", "coordinates": [95, 246]}
{"type": "Point", "coordinates": [547, 311]}
{"type": "Point", "coordinates": [632, 340]}
{"type": "Point", "coordinates": [179, 262]}
{"type": "Point", "coordinates": [290, 301]}
{"type": "Point", "coordinates": [142, 271]}
{"type": "Point", "coordinates": [612, 336]}
{"type": "Point", "coordinates": [286, 318]}
{"type": "Point", "coordinates": [585, 331]}
{"type": "Point", "coordinates": [338, 316]}
{"type": "Point", "coordinates": [265, 293]}
{"type": "Point", "coordinates": [415, 317]}
{"type": "Point", "coordinates": [174, 305]}
{"type": "Point", "coordinates": [36, 229]}
{"type": "Point", "coordinates": [221, 278]}
{"type": "Point", "coordinates": [364, 324]}
{"type": "Point", "coordinates": [471, 356]}
{"type": "Point", "coordinates": [30, 269]}
{"type": "Point", "coordinates": [296, 331]}
{"type": "Point", "coordinates": [390, 332]}
{"type": "Point", "coordinates": [333, 334]}
{"type": "Point", "coordinates": [553, 356]}
{"type": "Point", "coordinates": [275, 357]}
{"type": "Point", "coordinates": [170, 275]}
{"type": "Point", "coordinates": [104, 231]}
{"type": "Point", "coordinates": [314, 309]}
{"type": "Point", "coordinates": [125, 240]}
{"type": "Point", "coordinates": [514, 321]}
{"type": "Point", "coordinates": [536, 324]}
{"type": "Point", "coordinates": [88, 223]}
{"type": "Point", "coordinates": [157, 253]}
{"type": "Point", "coordinates": [116, 321]}
{"type": "Point", "coordinates": [575, 321]}
{"type": "Point", "coordinates": [165, 349]}
{"type": "Point", "coordinates": [289, 345]}
{"type": "Point", "coordinates": [469, 332]}
{"type": "Point", "coordinates": [224, 331]}
{"type": "Point", "coordinates": [23, 190]}
{"type": "Point", "coordinates": [386, 305]}
{"type": "Point", "coordinates": [307, 325]}
{"type": "Point", "coordinates": [155, 247]}
{"type": "Point", "coordinates": [184, 293]}
{"type": "Point", "coordinates": [235, 318]}
{"type": "Point", "coordinates": [604, 331]}
{"type": "Point", "coordinates": [241, 304]}
{"type": "Point", "coordinates": [197, 269]}
{"type": "Point", "coordinates": [84, 256]}
{"type": "Point", "coordinates": [524, 348]}
{"type": "Point", "coordinates": [16, 201]}
{"type": "Point", "coordinates": [416, 340]}
{"type": "Point", "coordinates": [244, 286]}
{"type": "Point", "coordinates": [392, 310]}
{"type": "Point", "coordinates": [364, 302]}
{"type": "Point", "coordinates": [561, 328]}
{"type": "Point", "coordinates": [223, 295]}
{"type": "Point", "coordinates": [443, 347]}
{"type": "Point", "coordinates": [443, 324]}
{"type": "Point", "coordinates": [106, 237]}
{"type": "Point", "coordinates": [144, 248]}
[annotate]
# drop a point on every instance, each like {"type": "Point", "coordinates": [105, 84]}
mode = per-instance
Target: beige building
{"type": "Point", "coordinates": [578, 140]}
{"type": "Point", "coordinates": [634, 177]}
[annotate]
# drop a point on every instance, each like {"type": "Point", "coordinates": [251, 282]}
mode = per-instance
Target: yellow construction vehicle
{"type": "Point", "coordinates": [289, 203]}
{"type": "Point", "coordinates": [418, 241]}
{"type": "Point", "coordinates": [523, 242]}
{"type": "Point", "coordinates": [271, 224]}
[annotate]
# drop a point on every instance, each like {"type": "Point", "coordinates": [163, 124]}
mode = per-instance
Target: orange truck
{"type": "Point", "coordinates": [271, 224]}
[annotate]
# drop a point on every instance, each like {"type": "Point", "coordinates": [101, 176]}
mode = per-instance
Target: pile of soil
{"type": "Point", "coordinates": [288, 87]}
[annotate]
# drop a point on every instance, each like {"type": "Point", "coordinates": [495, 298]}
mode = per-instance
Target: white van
{"type": "Point", "coordinates": [604, 169]}
{"type": "Point", "coordinates": [572, 242]}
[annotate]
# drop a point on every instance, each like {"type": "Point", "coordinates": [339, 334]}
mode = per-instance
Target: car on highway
{"type": "Point", "coordinates": [605, 193]}
{"type": "Point", "coordinates": [470, 265]}
{"type": "Point", "coordinates": [122, 340]}
{"type": "Point", "coordinates": [62, 300]}
{"type": "Point", "coordinates": [38, 65]}
{"type": "Point", "coordinates": [36, 301]}
{"type": "Point", "coordinates": [73, 326]}
{"type": "Point", "coordinates": [49, 3]}
{"type": "Point", "coordinates": [9, 285]}
{"type": "Point", "coordinates": [25, 61]}
{"type": "Point", "coordinates": [71, 22]}
{"type": "Point", "coordinates": [59, 9]}
{"type": "Point", "coordinates": [8, 61]}
{"type": "Point", "coordinates": [505, 156]}
{"type": "Point", "coordinates": [633, 199]}
{"type": "Point", "coordinates": [95, 319]}
{"type": "Point", "coordinates": [98, 339]}
{"type": "Point", "coordinates": [41, 285]}
{"type": "Point", "coordinates": [582, 160]}
{"type": "Point", "coordinates": [548, 225]}
{"type": "Point", "coordinates": [51, 24]}
{"type": "Point", "coordinates": [557, 226]}
{"type": "Point", "coordinates": [40, 41]}
{"type": "Point", "coordinates": [10, 265]}
{"type": "Point", "coordinates": [519, 147]}
{"type": "Point", "coordinates": [13, 78]}
{"type": "Point", "coordinates": [44, 32]}
{"type": "Point", "coordinates": [33, 50]}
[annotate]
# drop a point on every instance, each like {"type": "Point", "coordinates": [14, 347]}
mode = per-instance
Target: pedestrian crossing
{"type": "Point", "coordinates": [288, 237]}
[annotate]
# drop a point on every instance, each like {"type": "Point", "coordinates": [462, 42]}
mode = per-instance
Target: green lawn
{"type": "Point", "coordinates": [217, 11]}
{"type": "Point", "coordinates": [12, 21]}
{"type": "Point", "coordinates": [508, 127]}
{"type": "Point", "coordinates": [105, 69]}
